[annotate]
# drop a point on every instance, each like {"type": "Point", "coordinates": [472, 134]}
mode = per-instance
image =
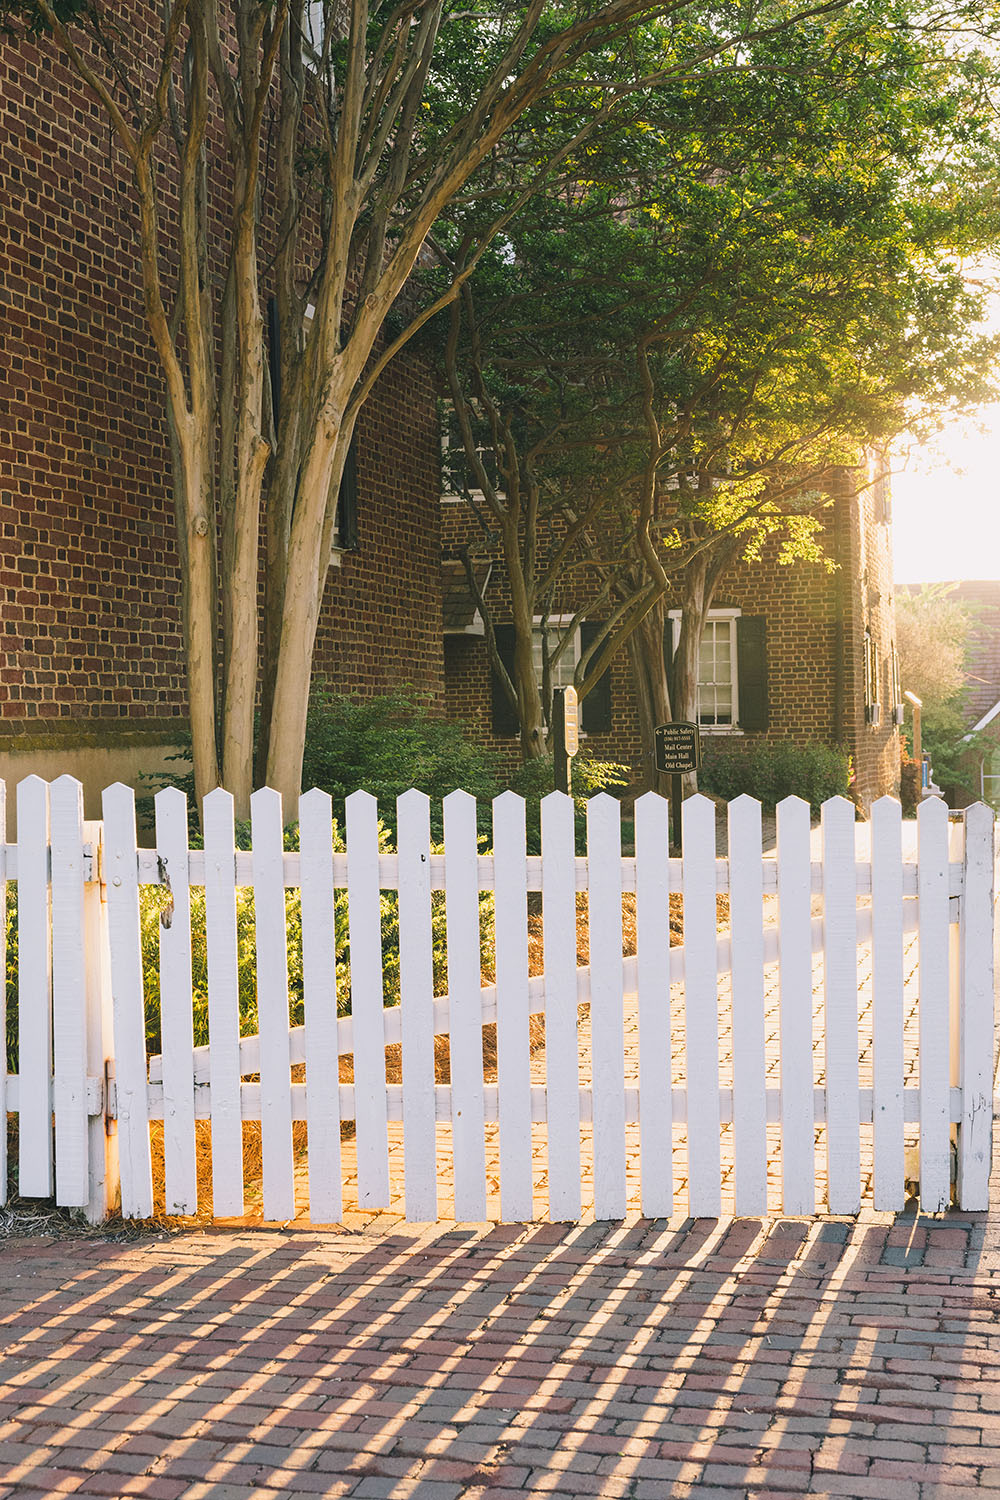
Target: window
{"type": "Point", "coordinates": [561, 673]}
{"type": "Point", "coordinates": [717, 704]}
{"type": "Point", "coordinates": [313, 30]}
{"type": "Point", "coordinates": [732, 670]}
{"type": "Point", "coordinates": [457, 477]}
{"type": "Point", "coordinates": [717, 685]}
{"type": "Point", "coordinates": [595, 709]}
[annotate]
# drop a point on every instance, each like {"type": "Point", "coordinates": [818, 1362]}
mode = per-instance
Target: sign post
{"type": "Point", "coordinates": [565, 733]}
{"type": "Point", "coordinates": [677, 752]}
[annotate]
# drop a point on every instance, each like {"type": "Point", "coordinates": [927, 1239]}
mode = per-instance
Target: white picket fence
{"type": "Point", "coordinates": [86, 1092]}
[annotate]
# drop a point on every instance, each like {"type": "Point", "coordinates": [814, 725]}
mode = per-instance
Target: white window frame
{"type": "Point", "coordinates": [451, 497]}
{"type": "Point", "coordinates": [558, 623]}
{"type": "Point", "coordinates": [732, 614]}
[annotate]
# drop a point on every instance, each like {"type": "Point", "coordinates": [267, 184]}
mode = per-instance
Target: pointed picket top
{"type": "Point", "coordinates": [28, 784]}
{"type": "Point", "coordinates": [884, 804]}
{"type": "Point", "coordinates": [556, 799]}
{"type": "Point", "coordinates": [932, 811]}
{"type": "Point", "coordinates": [66, 781]}
{"type": "Point", "coordinates": [745, 800]}
{"type": "Point", "coordinates": [218, 797]}
{"type": "Point", "coordinates": [698, 812]}
{"type": "Point", "coordinates": [508, 799]}
{"type": "Point", "coordinates": [171, 797]}
{"type": "Point", "coordinates": [412, 800]}
{"type": "Point", "coordinates": [839, 806]}
{"type": "Point", "coordinates": [171, 804]}
{"type": "Point", "coordinates": [117, 793]}
{"type": "Point", "coordinates": [699, 800]}
{"type": "Point", "coordinates": [458, 799]}
{"type": "Point", "coordinates": [650, 800]}
{"type": "Point", "coordinates": [359, 803]}
{"type": "Point", "coordinates": [795, 806]}
{"type": "Point", "coordinates": [979, 815]}
{"type": "Point", "coordinates": [316, 805]}
{"type": "Point", "coordinates": [263, 802]}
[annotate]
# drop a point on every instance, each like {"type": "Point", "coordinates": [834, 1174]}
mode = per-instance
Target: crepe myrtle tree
{"type": "Point", "coordinates": [671, 360]}
{"type": "Point", "coordinates": [348, 127]}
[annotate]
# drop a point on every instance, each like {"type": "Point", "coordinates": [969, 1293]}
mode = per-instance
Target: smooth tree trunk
{"type": "Point", "coordinates": [646, 646]}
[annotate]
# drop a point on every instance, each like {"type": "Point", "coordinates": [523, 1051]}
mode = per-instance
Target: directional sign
{"type": "Point", "coordinates": [678, 748]}
{"type": "Point", "coordinates": [571, 720]}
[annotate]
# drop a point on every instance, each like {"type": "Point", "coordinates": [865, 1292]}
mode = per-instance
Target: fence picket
{"type": "Point", "coordinates": [3, 992]}
{"type": "Point", "coordinates": [513, 1059]}
{"type": "Point", "coordinates": [887, 1004]}
{"type": "Point", "coordinates": [121, 859]}
{"type": "Point", "coordinates": [652, 925]}
{"type": "Point", "coordinates": [319, 980]}
{"type": "Point", "coordinates": [416, 999]}
{"type": "Point", "coordinates": [34, 991]}
{"type": "Point", "coordinates": [749, 1062]}
{"type": "Point", "coordinates": [798, 1155]}
{"type": "Point", "coordinates": [932, 889]}
{"type": "Point", "coordinates": [607, 1036]}
{"type": "Point", "coordinates": [273, 1019]}
{"type": "Point", "coordinates": [840, 1006]}
{"type": "Point", "coordinates": [176, 1028]}
{"type": "Point", "coordinates": [562, 1045]}
{"type": "Point", "coordinates": [69, 1034]}
{"type": "Point", "coordinates": [701, 1008]}
{"type": "Point", "coordinates": [976, 1049]}
{"type": "Point", "coordinates": [465, 1006]}
{"type": "Point", "coordinates": [223, 1004]}
{"type": "Point", "coordinates": [367, 1002]}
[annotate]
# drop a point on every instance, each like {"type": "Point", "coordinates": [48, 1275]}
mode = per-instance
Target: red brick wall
{"type": "Point", "coordinates": [91, 616]}
{"type": "Point", "coordinates": [801, 602]}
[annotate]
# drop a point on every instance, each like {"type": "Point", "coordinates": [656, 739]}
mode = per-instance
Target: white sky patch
{"type": "Point", "coordinates": [946, 494]}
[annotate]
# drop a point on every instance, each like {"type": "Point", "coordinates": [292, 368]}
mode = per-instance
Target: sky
{"type": "Point", "coordinates": [946, 504]}
{"type": "Point", "coordinates": [946, 495]}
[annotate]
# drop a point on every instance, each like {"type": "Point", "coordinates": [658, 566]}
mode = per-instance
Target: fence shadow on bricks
{"type": "Point", "coordinates": [745, 1359]}
{"type": "Point", "coordinates": [330, 993]}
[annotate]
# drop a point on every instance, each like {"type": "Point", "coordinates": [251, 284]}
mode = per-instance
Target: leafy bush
{"type": "Point", "coordinates": [150, 905]}
{"type": "Point", "coordinates": [387, 744]}
{"type": "Point", "coordinates": [770, 771]}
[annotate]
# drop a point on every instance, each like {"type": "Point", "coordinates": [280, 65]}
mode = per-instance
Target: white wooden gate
{"type": "Point", "coordinates": [753, 1066]}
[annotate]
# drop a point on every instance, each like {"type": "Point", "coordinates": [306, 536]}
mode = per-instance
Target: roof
{"type": "Point", "coordinates": [458, 602]}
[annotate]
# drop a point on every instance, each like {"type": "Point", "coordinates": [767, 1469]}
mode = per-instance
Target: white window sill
{"type": "Point", "coordinates": [336, 556]}
{"type": "Point", "coordinates": [721, 729]}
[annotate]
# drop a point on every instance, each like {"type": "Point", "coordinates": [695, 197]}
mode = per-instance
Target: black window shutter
{"type": "Point", "coordinates": [751, 658]}
{"type": "Point", "coordinates": [347, 501]}
{"type": "Point", "coordinates": [596, 707]}
{"type": "Point", "coordinates": [504, 719]}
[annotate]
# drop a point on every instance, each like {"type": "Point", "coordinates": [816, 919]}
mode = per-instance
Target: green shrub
{"type": "Point", "coordinates": [771, 770]}
{"type": "Point", "coordinates": [150, 905]}
{"type": "Point", "coordinates": [386, 745]}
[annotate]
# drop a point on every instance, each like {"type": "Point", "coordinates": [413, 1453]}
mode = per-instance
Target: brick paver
{"type": "Point", "coordinates": [738, 1358]}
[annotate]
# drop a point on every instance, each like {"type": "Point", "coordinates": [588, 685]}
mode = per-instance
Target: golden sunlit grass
{"type": "Point", "coordinates": [252, 1161]}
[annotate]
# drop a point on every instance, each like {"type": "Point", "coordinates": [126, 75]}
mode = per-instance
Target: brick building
{"type": "Point", "coordinates": [791, 652]}
{"type": "Point", "coordinates": [92, 676]}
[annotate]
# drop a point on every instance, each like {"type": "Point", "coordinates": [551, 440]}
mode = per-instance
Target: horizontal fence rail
{"type": "Point", "coordinates": [823, 1019]}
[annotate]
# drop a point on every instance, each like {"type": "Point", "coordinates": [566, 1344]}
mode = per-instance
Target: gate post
{"type": "Point", "coordinates": [975, 1009]}
{"type": "Point", "coordinates": [104, 1183]}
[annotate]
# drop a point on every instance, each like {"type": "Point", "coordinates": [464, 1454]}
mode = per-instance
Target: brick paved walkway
{"type": "Point", "coordinates": [650, 1360]}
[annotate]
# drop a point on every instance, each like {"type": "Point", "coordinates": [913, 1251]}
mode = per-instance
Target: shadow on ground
{"type": "Point", "coordinates": [738, 1358]}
